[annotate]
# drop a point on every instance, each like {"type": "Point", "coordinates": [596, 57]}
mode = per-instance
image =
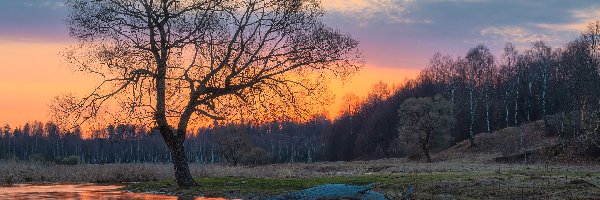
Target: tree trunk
{"type": "Point", "coordinates": [487, 110]}
{"type": "Point", "coordinates": [182, 170]}
{"type": "Point", "coordinates": [175, 143]}
{"type": "Point", "coordinates": [506, 105]}
{"type": "Point", "coordinates": [425, 147]}
{"type": "Point", "coordinates": [472, 115]}
{"type": "Point", "coordinates": [426, 152]}
{"type": "Point", "coordinates": [517, 88]}
{"type": "Point", "coordinates": [529, 99]}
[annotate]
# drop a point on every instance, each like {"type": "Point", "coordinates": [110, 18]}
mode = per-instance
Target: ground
{"type": "Point", "coordinates": [438, 180]}
{"type": "Point", "coordinates": [499, 167]}
{"type": "Point", "coordinates": [442, 180]}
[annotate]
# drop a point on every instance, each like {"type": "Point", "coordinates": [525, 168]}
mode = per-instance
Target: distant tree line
{"type": "Point", "coordinates": [270, 143]}
{"type": "Point", "coordinates": [485, 93]}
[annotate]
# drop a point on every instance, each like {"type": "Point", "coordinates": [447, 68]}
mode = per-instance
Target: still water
{"type": "Point", "coordinates": [77, 191]}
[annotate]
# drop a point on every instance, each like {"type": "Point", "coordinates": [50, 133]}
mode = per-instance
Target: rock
{"type": "Point", "coordinates": [407, 194]}
{"type": "Point", "coordinates": [582, 183]}
{"type": "Point", "coordinates": [333, 191]}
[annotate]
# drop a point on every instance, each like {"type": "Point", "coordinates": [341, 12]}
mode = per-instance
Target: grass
{"type": "Point", "coordinates": [510, 182]}
{"type": "Point", "coordinates": [461, 172]}
{"type": "Point", "coordinates": [439, 180]}
{"type": "Point", "coordinates": [12, 172]}
{"type": "Point", "coordinates": [246, 187]}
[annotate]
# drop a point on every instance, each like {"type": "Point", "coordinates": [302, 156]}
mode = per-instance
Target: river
{"type": "Point", "coordinates": [78, 191]}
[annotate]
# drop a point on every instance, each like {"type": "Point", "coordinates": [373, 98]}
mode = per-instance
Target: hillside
{"type": "Point", "coordinates": [529, 143]}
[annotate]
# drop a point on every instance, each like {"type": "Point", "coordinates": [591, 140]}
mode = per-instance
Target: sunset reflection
{"type": "Point", "coordinates": [80, 191]}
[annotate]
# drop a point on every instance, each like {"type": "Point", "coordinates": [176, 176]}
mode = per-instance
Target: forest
{"type": "Point", "coordinates": [486, 90]}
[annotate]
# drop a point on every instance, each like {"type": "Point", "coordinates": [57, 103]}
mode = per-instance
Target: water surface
{"type": "Point", "coordinates": [78, 191]}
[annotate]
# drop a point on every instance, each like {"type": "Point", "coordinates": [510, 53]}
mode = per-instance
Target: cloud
{"type": "Point", "coordinates": [52, 4]}
{"type": "Point", "coordinates": [580, 20]}
{"type": "Point", "coordinates": [514, 34]}
{"type": "Point", "coordinates": [364, 11]}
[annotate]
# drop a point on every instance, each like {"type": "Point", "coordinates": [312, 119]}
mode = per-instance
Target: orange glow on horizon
{"type": "Point", "coordinates": [31, 74]}
{"type": "Point", "coordinates": [361, 83]}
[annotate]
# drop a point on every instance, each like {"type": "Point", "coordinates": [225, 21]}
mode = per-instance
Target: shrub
{"type": "Point", "coordinates": [70, 160]}
{"type": "Point", "coordinates": [412, 152]}
{"type": "Point", "coordinates": [256, 156]}
{"type": "Point", "coordinates": [38, 157]}
{"type": "Point", "coordinates": [231, 143]}
{"type": "Point", "coordinates": [236, 147]}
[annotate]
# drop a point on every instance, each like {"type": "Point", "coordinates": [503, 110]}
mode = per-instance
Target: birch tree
{"type": "Point", "coordinates": [478, 59]}
{"type": "Point", "coordinates": [509, 69]}
{"type": "Point", "coordinates": [543, 55]}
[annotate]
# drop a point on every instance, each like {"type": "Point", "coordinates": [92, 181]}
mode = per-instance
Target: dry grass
{"type": "Point", "coordinates": [504, 142]}
{"type": "Point", "coordinates": [33, 172]}
{"type": "Point", "coordinates": [30, 172]}
{"type": "Point", "coordinates": [460, 172]}
{"type": "Point", "coordinates": [440, 180]}
{"type": "Point", "coordinates": [445, 180]}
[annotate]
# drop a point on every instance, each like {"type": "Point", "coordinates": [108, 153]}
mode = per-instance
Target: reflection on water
{"type": "Point", "coordinates": [78, 191]}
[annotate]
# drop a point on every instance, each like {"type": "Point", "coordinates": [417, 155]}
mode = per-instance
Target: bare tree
{"type": "Point", "coordinates": [350, 104]}
{"type": "Point", "coordinates": [480, 60]}
{"type": "Point", "coordinates": [508, 71]}
{"type": "Point", "coordinates": [171, 61]}
{"type": "Point", "coordinates": [422, 119]}
{"type": "Point", "coordinates": [60, 109]}
{"type": "Point", "coordinates": [232, 143]}
{"type": "Point", "coordinates": [543, 55]}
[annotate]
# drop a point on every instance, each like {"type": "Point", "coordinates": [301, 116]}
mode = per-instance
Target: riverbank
{"type": "Point", "coordinates": [440, 180]}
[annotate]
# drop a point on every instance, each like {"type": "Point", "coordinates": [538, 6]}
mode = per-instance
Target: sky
{"type": "Point", "coordinates": [397, 38]}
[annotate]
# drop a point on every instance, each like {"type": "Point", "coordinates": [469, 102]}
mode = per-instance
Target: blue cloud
{"type": "Point", "coordinates": [454, 26]}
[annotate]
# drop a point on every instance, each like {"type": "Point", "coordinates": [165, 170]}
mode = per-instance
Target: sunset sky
{"type": "Point", "coordinates": [397, 38]}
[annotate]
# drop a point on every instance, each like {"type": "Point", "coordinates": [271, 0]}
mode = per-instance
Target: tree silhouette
{"type": "Point", "coordinates": [422, 119]}
{"type": "Point", "coordinates": [170, 61]}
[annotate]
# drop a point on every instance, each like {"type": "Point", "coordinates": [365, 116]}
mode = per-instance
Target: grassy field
{"type": "Point", "coordinates": [439, 180]}
{"type": "Point", "coordinates": [461, 172]}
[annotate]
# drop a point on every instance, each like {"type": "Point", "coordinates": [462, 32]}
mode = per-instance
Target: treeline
{"type": "Point", "coordinates": [39, 141]}
{"type": "Point", "coordinates": [235, 144]}
{"type": "Point", "coordinates": [486, 93]}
